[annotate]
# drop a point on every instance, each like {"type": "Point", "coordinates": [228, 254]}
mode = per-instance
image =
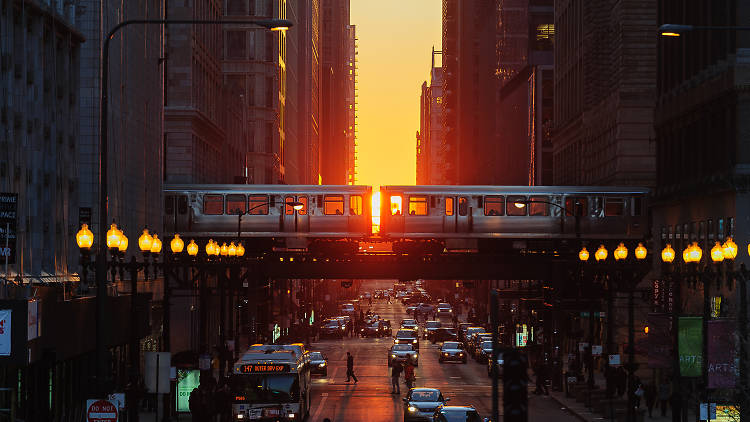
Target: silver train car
{"type": "Point", "coordinates": [329, 216]}
{"type": "Point", "coordinates": [471, 217]}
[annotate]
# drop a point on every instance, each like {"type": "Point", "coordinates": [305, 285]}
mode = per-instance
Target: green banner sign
{"type": "Point", "coordinates": [690, 342]}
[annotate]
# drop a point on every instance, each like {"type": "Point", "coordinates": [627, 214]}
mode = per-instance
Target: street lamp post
{"type": "Point", "coordinates": [101, 266]}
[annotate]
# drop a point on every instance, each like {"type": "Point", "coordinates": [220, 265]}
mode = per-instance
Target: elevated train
{"type": "Point", "coordinates": [423, 219]}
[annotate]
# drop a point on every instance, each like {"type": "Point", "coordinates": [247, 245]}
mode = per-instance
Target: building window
{"type": "Point", "coordinates": [269, 47]}
{"type": "Point", "coordinates": [235, 7]}
{"type": "Point", "coordinates": [270, 89]}
{"type": "Point", "coordinates": [333, 205]}
{"type": "Point", "coordinates": [236, 45]}
{"type": "Point", "coordinates": [269, 138]}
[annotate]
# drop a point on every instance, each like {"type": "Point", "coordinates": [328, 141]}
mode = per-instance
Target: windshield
{"type": "Point", "coordinates": [451, 345]}
{"type": "Point", "coordinates": [486, 345]}
{"type": "Point", "coordinates": [406, 333]}
{"type": "Point", "coordinates": [266, 388]}
{"type": "Point", "coordinates": [316, 356]}
{"type": "Point", "coordinates": [333, 324]}
{"type": "Point", "coordinates": [425, 396]}
{"type": "Point", "coordinates": [444, 306]}
{"type": "Point", "coordinates": [458, 416]}
{"type": "Point", "coordinates": [432, 324]}
{"type": "Point", "coordinates": [409, 322]}
{"type": "Point", "coordinates": [402, 347]}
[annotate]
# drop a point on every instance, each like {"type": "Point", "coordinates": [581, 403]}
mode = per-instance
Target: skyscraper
{"type": "Point", "coordinates": [431, 134]}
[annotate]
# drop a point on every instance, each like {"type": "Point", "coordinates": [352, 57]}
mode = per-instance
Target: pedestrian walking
{"type": "Point", "coordinates": [664, 394]}
{"type": "Point", "coordinates": [396, 370]}
{"type": "Point", "coordinates": [650, 395]}
{"type": "Point", "coordinates": [637, 390]}
{"type": "Point", "coordinates": [350, 368]}
{"type": "Point", "coordinates": [199, 403]}
{"type": "Point", "coordinates": [409, 376]}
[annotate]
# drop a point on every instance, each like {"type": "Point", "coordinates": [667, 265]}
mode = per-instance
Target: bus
{"type": "Point", "coordinates": [271, 383]}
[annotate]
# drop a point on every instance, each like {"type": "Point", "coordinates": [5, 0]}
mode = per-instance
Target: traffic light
{"type": "Point", "coordinates": [515, 387]}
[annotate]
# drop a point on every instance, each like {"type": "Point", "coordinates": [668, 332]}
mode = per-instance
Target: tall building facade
{"type": "Point", "coordinates": [469, 62]}
{"type": "Point", "coordinates": [525, 34]}
{"type": "Point", "coordinates": [605, 72]}
{"type": "Point", "coordinates": [350, 106]}
{"type": "Point", "coordinates": [135, 132]}
{"type": "Point", "coordinates": [40, 58]}
{"type": "Point", "coordinates": [431, 134]}
{"type": "Point", "coordinates": [335, 39]}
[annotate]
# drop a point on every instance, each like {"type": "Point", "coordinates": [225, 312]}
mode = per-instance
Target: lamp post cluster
{"type": "Point", "coordinates": [695, 270]}
{"type": "Point", "coordinates": [623, 274]}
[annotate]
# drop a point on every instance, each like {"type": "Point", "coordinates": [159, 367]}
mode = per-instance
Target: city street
{"type": "Point", "coordinates": [371, 399]}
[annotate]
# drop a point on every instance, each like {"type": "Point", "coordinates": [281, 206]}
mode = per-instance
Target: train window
{"type": "Point", "coordinates": [614, 207]}
{"type": "Point", "coordinates": [236, 204]}
{"type": "Point", "coordinates": [169, 205]}
{"type": "Point", "coordinates": [448, 206]}
{"type": "Point", "coordinates": [516, 205]}
{"type": "Point", "coordinates": [576, 205]}
{"type": "Point", "coordinates": [258, 204]}
{"type": "Point", "coordinates": [288, 209]}
{"type": "Point", "coordinates": [463, 206]}
{"type": "Point", "coordinates": [355, 205]}
{"type": "Point", "coordinates": [539, 205]}
{"type": "Point", "coordinates": [213, 204]}
{"type": "Point", "coordinates": [182, 202]}
{"type": "Point", "coordinates": [333, 205]}
{"type": "Point", "coordinates": [302, 200]}
{"type": "Point", "coordinates": [417, 205]}
{"type": "Point", "coordinates": [637, 205]}
{"type": "Point", "coordinates": [494, 205]}
{"type": "Point", "coordinates": [396, 205]}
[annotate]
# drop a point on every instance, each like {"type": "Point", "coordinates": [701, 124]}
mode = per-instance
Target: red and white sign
{"type": "Point", "coordinates": [100, 411]}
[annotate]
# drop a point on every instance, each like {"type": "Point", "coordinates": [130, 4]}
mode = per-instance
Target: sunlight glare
{"type": "Point", "coordinates": [375, 210]}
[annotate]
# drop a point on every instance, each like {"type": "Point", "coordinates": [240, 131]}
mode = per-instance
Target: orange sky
{"type": "Point", "coordinates": [395, 38]}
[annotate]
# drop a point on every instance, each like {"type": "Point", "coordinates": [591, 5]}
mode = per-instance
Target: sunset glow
{"type": "Point", "coordinates": [375, 210]}
{"type": "Point", "coordinates": [395, 40]}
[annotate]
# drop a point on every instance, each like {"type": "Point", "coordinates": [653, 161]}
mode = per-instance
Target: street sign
{"type": "Point", "coordinates": [157, 372]}
{"type": "Point", "coordinates": [8, 213]}
{"type": "Point", "coordinates": [614, 360]}
{"type": "Point", "coordinates": [596, 350]}
{"type": "Point", "coordinates": [100, 411]}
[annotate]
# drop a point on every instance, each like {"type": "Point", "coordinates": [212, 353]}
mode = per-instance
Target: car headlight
{"type": "Point", "coordinates": [290, 416]}
{"type": "Point", "coordinates": [393, 356]}
{"type": "Point", "coordinates": [414, 341]}
{"type": "Point", "coordinates": [412, 409]}
{"type": "Point", "coordinates": [460, 353]}
{"type": "Point", "coordinates": [322, 365]}
{"type": "Point", "coordinates": [240, 416]}
{"type": "Point", "coordinates": [343, 328]}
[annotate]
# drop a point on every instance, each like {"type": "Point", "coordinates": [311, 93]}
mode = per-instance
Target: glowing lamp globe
{"type": "Point", "coordinates": [123, 246]}
{"type": "Point", "coordinates": [156, 245]}
{"type": "Point", "coordinates": [113, 237]}
{"type": "Point", "coordinates": [583, 255]}
{"type": "Point", "coordinates": [621, 252]}
{"type": "Point", "coordinates": [240, 250]}
{"type": "Point", "coordinates": [695, 253]}
{"type": "Point", "coordinates": [210, 247]}
{"type": "Point", "coordinates": [601, 253]}
{"type": "Point", "coordinates": [686, 255]}
{"type": "Point", "coordinates": [176, 244]}
{"type": "Point", "coordinates": [729, 249]}
{"type": "Point", "coordinates": [192, 248]}
{"type": "Point", "coordinates": [232, 249]}
{"type": "Point", "coordinates": [145, 241]}
{"type": "Point", "coordinates": [717, 253]}
{"type": "Point", "coordinates": [224, 249]}
{"type": "Point", "coordinates": [667, 254]}
{"type": "Point", "coordinates": [640, 252]}
{"type": "Point", "coordinates": [84, 237]}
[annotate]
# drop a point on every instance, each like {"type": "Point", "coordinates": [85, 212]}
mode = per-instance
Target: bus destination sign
{"type": "Point", "coordinates": [263, 368]}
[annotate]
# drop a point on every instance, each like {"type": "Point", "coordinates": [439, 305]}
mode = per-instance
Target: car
{"type": "Point", "coordinates": [348, 309]}
{"type": "Point", "coordinates": [333, 328]}
{"type": "Point", "coordinates": [475, 340]}
{"type": "Point", "coordinates": [468, 332]}
{"type": "Point", "coordinates": [444, 310]}
{"type": "Point", "coordinates": [444, 334]}
{"type": "Point", "coordinates": [457, 414]}
{"type": "Point", "coordinates": [430, 328]}
{"type": "Point", "coordinates": [484, 351]}
{"type": "Point", "coordinates": [409, 324]}
{"type": "Point", "coordinates": [420, 403]}
{"type": "Point", "coordinates": [462, 326]}
{"type": "Point", "coordinates": [452, 351]}
{"type": "Point", "coordinates": [424, 308]}
{"type": "Point", "coordinates": [410, 309]}
{"type": "Point", "coordinates": [403, 353]}
{"type": "Point", "coordinates": [367, 295]}
{"type": "Point", "coordinates": [407, 336]}
{"type": "Point", "coordinates": [385, 328]}
{"type": "Point", "coordinates": [500, 363]}
{"type": "Point", "coordinates": [371, 329]}
{"type": "Point", "coordinates": [318, 363]}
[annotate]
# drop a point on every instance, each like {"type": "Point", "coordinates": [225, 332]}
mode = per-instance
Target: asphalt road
{"type": "Point", "coordinates": [371, 399]}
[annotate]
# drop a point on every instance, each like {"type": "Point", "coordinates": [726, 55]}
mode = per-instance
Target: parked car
{"type": "Point", "coordinates": [318, 363]}
{"type": "Point", "coordinates": [452, 351]}
{"type": "Point", "coordinates": [420, 404]}
{"type": "Point", "coordinates": [403, 353]}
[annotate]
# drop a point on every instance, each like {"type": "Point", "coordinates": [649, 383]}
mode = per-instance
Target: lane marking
{"type": "Point", "coordinates": [320, 407]}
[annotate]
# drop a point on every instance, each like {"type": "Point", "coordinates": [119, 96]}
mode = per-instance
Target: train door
{"type": "Point", "coordinates": [449, 219]}
{"type": "Point", "coordinates": [396, 219]}
{"type": "Point", "coordinates": [463, 215]}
